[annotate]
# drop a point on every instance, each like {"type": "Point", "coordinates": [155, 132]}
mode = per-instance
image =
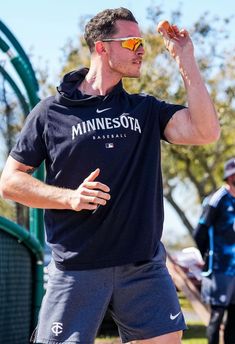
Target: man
{"type": "Point", "coordinates": [215, 237]}
{"type": "Point", "coordinates": [103, 192]}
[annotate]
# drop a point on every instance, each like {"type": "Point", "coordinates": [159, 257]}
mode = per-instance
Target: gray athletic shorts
{"type": "Point", "coordinates": [141, 297]}
{"type": "Point", "coordinates": [218, 290]}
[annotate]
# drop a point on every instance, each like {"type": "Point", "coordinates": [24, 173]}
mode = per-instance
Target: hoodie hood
{"type": "Point", "coordinates": [69, 94]}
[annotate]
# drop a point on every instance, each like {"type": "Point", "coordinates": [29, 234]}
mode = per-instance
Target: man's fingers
{"type": "Point", "coordinates": [90, 206]}
{"type": "Point", "coordinates": [165, 27]}
{"type": "Point", "coordinates": [97, 186]}
{"type": "Point", "coordinates": [93, 175]}
{"type": "Point", "coordinates": [164, 33]}
{"type": "Point", "coordinates": [184, 33]}
{"type": "Point", "coordinates": [167, 33]}
{"type": "Point", "coordinates": [90, 182]}
{"type": "Point", "coordinates": [92, 200]}
{"type": "Point", "coordinates": [96, 193]}
{"type": "Point", "coordinates": [91, 194]}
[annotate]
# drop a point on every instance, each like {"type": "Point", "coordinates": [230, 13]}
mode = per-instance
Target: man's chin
{"type": "Point", "coordinates": [132, 75]}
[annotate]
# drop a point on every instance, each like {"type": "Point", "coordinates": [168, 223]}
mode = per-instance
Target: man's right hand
{"type": "Point", "coordinates": [90, 194]}
{"type": "Point", "coordinates": [18, 184]}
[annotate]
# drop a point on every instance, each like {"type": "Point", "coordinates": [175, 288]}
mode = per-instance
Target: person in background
{"type": "Point", "coordinates": [215, 238]}
{"type": "Point", "coordinates": [103, 196]}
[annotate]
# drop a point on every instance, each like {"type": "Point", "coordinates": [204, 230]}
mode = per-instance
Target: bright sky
{"type": "Point", "coordinates": [43, 27]}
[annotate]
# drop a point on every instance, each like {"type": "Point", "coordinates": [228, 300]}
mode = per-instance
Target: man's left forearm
{"type": "Point", "coordinates": [201, 108]}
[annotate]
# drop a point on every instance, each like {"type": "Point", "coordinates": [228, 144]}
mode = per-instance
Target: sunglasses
{"type": "Point", "coordinates": [131, 43]}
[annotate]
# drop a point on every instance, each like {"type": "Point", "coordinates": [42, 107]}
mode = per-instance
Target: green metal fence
{"type": "Point", "coordinates": [21, 282]}
{"type": "Point", "coordinates": [22, 66]}
{"type": "Point", "coordinates": [21, 253]}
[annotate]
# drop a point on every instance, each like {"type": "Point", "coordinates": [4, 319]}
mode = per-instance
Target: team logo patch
{"type": "Point", "coordinates": [57, 328]}
{"type": "Point", "coordinates": [109, 145]}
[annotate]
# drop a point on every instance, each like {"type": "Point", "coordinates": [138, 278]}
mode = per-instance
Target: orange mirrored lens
{"type": "Point", "coordinates": [132, 43]}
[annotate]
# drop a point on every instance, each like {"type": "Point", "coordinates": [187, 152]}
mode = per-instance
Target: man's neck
{"type": "Point", "coordinates": [99, 81]}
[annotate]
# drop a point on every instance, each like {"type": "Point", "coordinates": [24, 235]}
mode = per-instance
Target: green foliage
{"type": "Point", "coordinates": [75, 57]}
{"type": "Point", "coordinates": [7, 209]}
{"type": "Point", "coordinates": [196, 334]}
{"type": "Point", "coordinates": [12, 119]}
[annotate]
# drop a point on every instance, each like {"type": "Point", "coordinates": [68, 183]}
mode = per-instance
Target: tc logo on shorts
{"type": "Point", "coordinates": [57, 328]}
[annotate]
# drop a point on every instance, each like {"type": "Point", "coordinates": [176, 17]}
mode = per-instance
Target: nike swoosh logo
{"type": "Point", "coordinates": [99, 111]}
{"type": "Point", "coordinates": [173, 317]}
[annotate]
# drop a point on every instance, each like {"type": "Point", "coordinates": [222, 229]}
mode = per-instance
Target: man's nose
{"type": "Point", "coordinates": [140, 51]}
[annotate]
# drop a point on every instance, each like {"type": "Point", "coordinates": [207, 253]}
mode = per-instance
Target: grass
{"type": "Point", "coordinates": [196, 333]}
{"type": "Point", "coordinates": [184, 303]}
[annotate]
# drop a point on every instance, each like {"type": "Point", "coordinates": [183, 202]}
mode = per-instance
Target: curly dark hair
{"type": "Point", "coordinates": [103, 25]}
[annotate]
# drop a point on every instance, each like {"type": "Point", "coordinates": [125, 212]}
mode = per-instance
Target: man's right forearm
{"type": "Point", "coordinates": [25, 189]}
{"type": "Point", "coordinates": [17, 184]}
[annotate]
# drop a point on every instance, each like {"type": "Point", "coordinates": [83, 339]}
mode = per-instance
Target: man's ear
{"type": "Point", "coordinates": [100, 47]}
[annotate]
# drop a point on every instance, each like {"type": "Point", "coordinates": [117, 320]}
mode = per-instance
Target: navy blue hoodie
{"type": "Point", "coordinates": [119, 133]}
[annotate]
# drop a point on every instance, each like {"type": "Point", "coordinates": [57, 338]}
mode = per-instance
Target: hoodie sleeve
{"type": "Point", "coordinates": [30, 147]}
{"type": "Point", "coordinates": [166, 111]}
